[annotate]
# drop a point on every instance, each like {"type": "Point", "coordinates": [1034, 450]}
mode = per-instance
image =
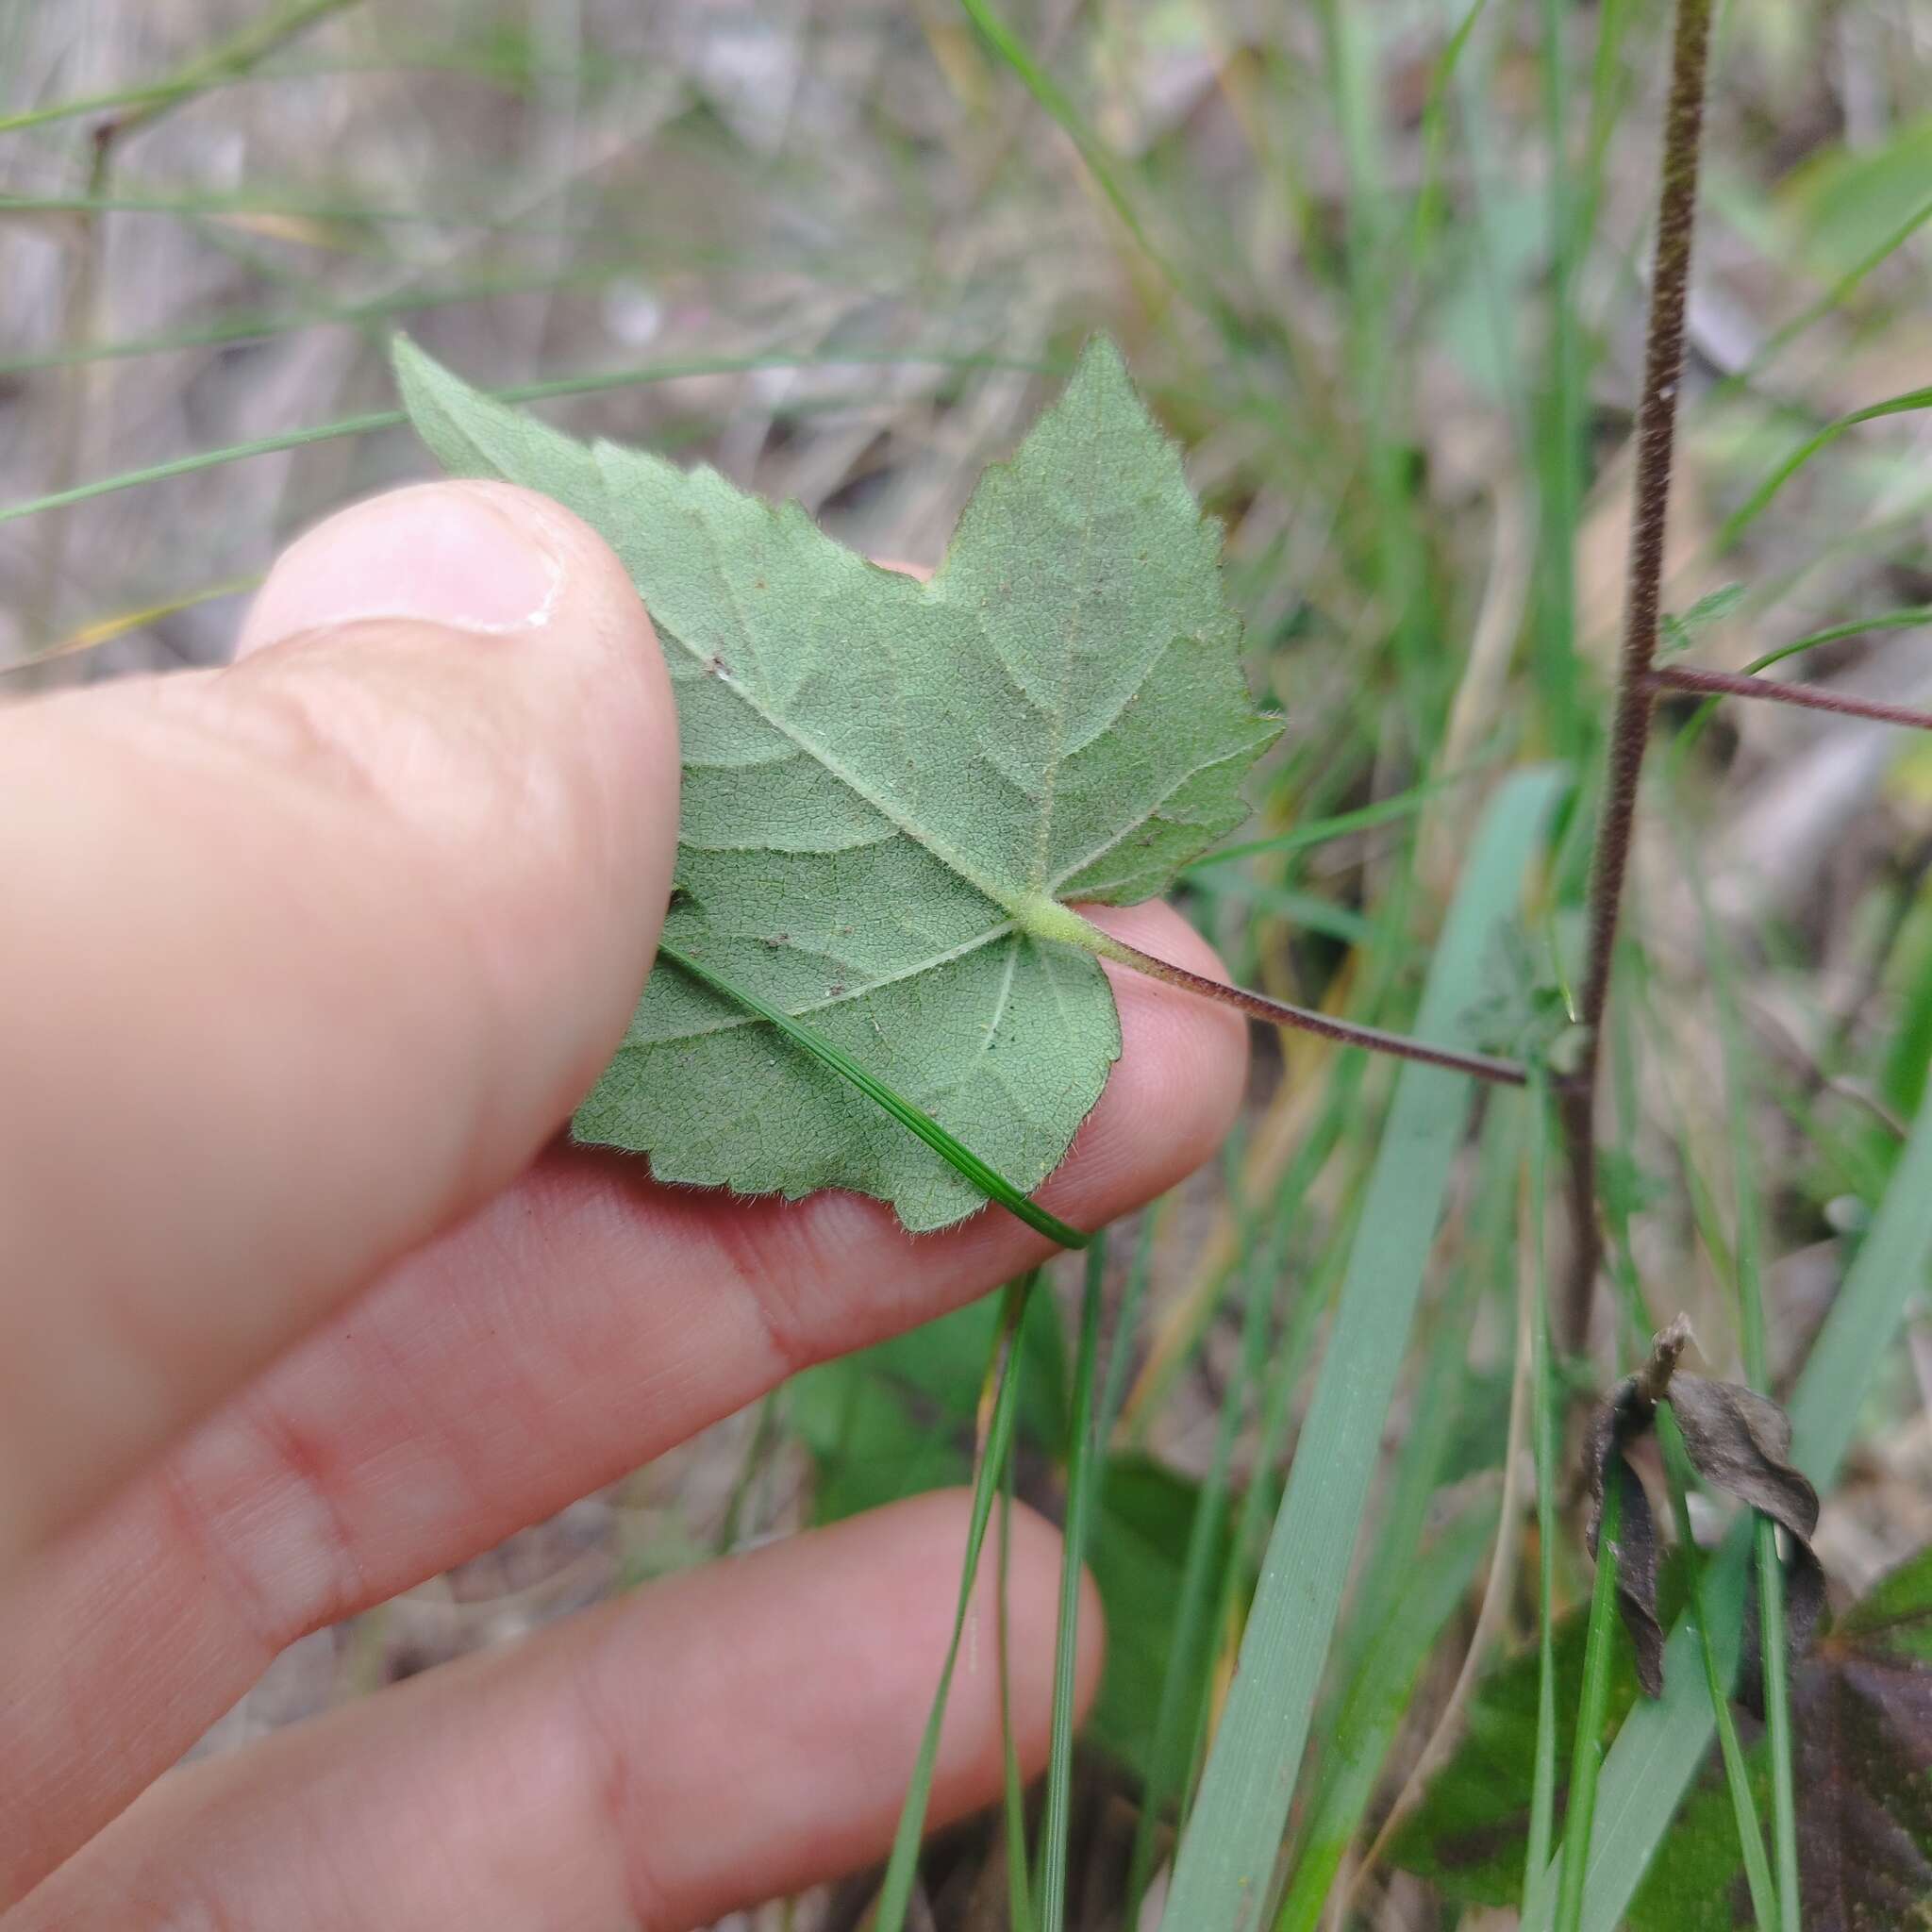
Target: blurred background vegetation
{"type": "Point", "coordinates": [1381, 267]}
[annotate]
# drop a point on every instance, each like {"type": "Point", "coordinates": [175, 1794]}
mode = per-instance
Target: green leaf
{"type": "Point", "coordinates": [1138, 1561]}
{"type": "Point", "coordinates": [1681, 629]}
{"type": "Point", "coordinates": [891, 789]}
{"type": "Point", "coordinates": [1862, 1710]}
{"type": "Point", "coordinates": [1468, 1834]}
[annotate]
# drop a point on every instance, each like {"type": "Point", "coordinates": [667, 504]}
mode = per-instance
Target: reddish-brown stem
{"type": "Point", "coordinates": [1738, 684]}
{"type": "Point", "coordinates": [1656, 421]}
{"type": "Point", "coordinates": [1480, 1066]}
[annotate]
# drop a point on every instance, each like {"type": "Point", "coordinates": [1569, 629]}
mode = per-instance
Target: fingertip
{"type": "Point", "coordinates": [488, 558]}
{"type": "Point", "coordinates": [475, 657]}
{"type": "Point", "coordinates": [494, 610]}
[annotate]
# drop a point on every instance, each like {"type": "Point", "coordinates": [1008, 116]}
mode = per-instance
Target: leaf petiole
{"type": "Point", "coordinates": [1053, 920]}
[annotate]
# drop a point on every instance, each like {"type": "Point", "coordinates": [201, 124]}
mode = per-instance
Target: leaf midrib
{"type": "Point", "coordinates": [1013, 902]}
{"type": "Point", "coordinates": [921, 836]}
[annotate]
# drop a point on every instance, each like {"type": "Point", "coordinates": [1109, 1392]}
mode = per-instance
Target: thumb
{"type": "Point", "coordinates": [305, 958]}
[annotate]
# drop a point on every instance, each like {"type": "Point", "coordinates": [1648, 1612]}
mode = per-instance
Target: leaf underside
{"type": "Point", "coordinates": [887, 785]}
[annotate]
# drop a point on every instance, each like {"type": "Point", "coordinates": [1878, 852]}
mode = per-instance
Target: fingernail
{"type": "Point", "coordinates": [442, 553]}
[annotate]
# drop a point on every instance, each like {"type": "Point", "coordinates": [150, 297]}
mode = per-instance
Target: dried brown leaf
{"type": "Point", "coordinates": [1739, 1441]}
{"type": "Point", "coordinates": [1628, 1414]}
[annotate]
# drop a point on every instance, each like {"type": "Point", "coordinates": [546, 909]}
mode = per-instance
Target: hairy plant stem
{"type": "Point", "coordinates": [1811, 697]}
{"type": "Point", "coordinates": [1656, 421]}
{"type": "Point", "coordinates": [1480, 1066]}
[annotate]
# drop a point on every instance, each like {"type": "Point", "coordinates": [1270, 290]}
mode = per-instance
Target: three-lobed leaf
{"type": "Point", "coordinates": [892, 789]}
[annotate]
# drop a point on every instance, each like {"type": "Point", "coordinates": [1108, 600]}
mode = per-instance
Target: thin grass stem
{"type": "Point", "coordinates": [1737, 1774]}
{"type": "Point", "coordinates": [1546, 1448]}
{"type": "Point", "coordinates": [1014, 1792]}
{"type": "Point", "coordinates": [1083, 1474]}
{"type": "Point", "coordinates": [1000, 1406]}
{"type": "Point", "coordinates": [374, 420]}
{"type": "Point", "coordinates": [1182, 1689]}
{"type": "Point", "coordinates": [1749, 1276]}
{"type": "Point", "coordinates": [1586, 1759]}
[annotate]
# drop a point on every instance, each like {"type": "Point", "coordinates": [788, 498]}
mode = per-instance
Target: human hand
{"type": "Point", "coordinates": [304, 964]}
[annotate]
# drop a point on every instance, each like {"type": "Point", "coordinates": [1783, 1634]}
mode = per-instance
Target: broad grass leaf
{"type": "Point", "coordinates": [890, 788]}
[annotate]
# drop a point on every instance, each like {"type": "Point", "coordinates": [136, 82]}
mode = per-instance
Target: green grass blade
{"type": "Point", "coordinates": [204, 204]}
{"type": "Point", "coordinates": [204, 460]}
{"type": "Point", "coordinates": [519, 392]}
{"type": "Point", "coordinates": [1436, 1407]}
{"type": "Point", "coordinates": [1120, 1360]}
{"type": "Point", "coordinates": [1285, 1378]}
{"type": "Point", "coordinates": [1429, 197]}
{"type": "Point", "coordinates": [249, 325]}
{"type": "Point", "coordinates": [1548, 1440]}
{"type": "Point", "coordinates": [1890, 1268]}
{"type": "Point", "coordinates": [994, 1186]}
{"type": "Point", "coordinates": [1743, 1804]}
{"type": "Point", "coordinates": [1370, 1715]}
{"type": "Point", "coordinates": [1303, 910]}
{"type": "Point", "coordinates": [1832, 300]}
{"type": "Point", "coordinates": [1385, 811]}
{"type": "Point", "coordinates": [1182, 1689]}
{"type": "Point", "coordinates": [1777, 1721]}
{"type": "Point", "coordinates": [1662, 1744]}
{"type": "Point", "coordinates": [1750, 1284]}
{"type": "Point", "coordinates": [1083, 1471]}
{"type": "Point", "coordinates": [902, 1868]}
{"type": "Point", "coordinates": [228, 60]}
{"type": "Point", "coordinates": [1559, 447]}
{"type": "Point", "coordinates": [1055, 100]}
{"type": "Point", "coordinates": [1019, 1884]}
{"type": "Point", "coordinates": [1586, 1761]}
{"type": "Point", "coordinates": [1227, 1855]}
{"type": "Point", "coordinates": [1337, 1112]}
{"type": "Point", "coordinates": [1749, 510]}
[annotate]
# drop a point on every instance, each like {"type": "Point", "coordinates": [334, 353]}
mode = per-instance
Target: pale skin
{"type": "Point", "coordinates": [304, 964]}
